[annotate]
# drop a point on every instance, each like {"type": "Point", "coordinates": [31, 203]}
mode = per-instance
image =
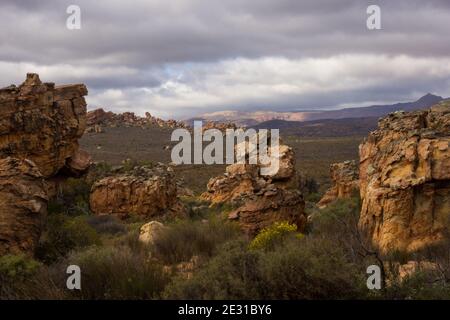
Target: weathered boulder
{"type": "Point", "coordinates": [150, 231]}
{"type": "Point", "coordinates": [405, 180]}
{"type": "Point", "coordinates": [260, 200]}
{"type": "Point", "coordinates": [42, 122]}
{"type": "Point", "coordinates": [345, 180]}
{"type": "Point", "coordinates": [142, 191]}
{"type": "Point", "coordinates": [23, 205]}
{"type": "Point", "coordinates": [261, 210]}
{"type": "Point", "coordinates": [241, 179]}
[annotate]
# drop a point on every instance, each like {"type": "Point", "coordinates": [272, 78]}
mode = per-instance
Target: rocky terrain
{"type": "Point", "coordinates": [344, 176]}
{"type": "Point", "coordinates": [97, 120]}
{"type": "Point", "coordinates": [405, 180]}
{"type": "Point", "coordinates": [39, 130]}
{"type": "Point", "coordinates": [149, 233]}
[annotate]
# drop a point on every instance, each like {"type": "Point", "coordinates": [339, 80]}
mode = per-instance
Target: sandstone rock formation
{"type": "Point", "coordinates": [344, 176]}
{"type": "Point", "coordinates": [42, 122]}
{"type": "Point", "coordinates": [142, 191]}
{"type": "Point", "coordinates": [98, 119]}
{"type": "Point", "coordinates": [150, 231]}
{"type": "Point", "coordinates": [260, 200]}
{"type": "Point", "coordinates": [23, 205]}
{"type": "Point", "coordinates": [405, 180]}
{"type": "Point", "coordinates": [261, 210]}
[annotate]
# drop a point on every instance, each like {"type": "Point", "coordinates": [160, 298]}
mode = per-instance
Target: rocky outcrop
{"type": "Point", "coordinates": [23, 205]}
{"type": "Point", "coordinates": [40, 125]}
{"type": "Point", "coordinates": [260, 200]}
{"type": "Point", "coordinates": [43, 122]}
{"type": "Point", "coordinates": [142, 191]}
{"type": "Point", "coordinates": [99, 119]}
{"type": "Point", "coordinates": [345, 182]}
{"type": "Point", "coordinates": [241, 179]}
{"type": "Point", "coordinates": [405, 180]}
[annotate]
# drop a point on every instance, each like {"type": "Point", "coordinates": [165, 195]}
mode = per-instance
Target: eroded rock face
{"type": "Point", "coordinates": [261, 210]}
{"type": "Point", "coordinates": [23, 205]}
{"type": "Point", "coordinates": [345, 180]}
{"type": "Point", "coordinates": [260, 200]}
{"type": "Point", "coordinates": [143, 191]}
{"type": "Point", "coordinates": [42, 122]}
{"type": "Point", "coordinates": [405, 180]}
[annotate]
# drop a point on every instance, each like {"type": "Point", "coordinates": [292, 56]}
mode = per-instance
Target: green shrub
{"type": "Point", "coordinates": [118, 273]}
{"type": "Point", "coordinates": [72, 198]}
{"type": "Point", "coordinates": [184, 239]}
{"type": "Point", "coordinates": [64, 234]}
{"type": "Point", "coordinates": [268, 237]}
{"type": "Point", "coordinates": [421, 285]}
{"type": "Point", "coordinates": [106, 224]}
{"type": "Point", "coordinates": [18, 266]}
{"type": "Point", "coordinates": [197, 209]}
{"type": "Point", "coordinates": [297, 269]}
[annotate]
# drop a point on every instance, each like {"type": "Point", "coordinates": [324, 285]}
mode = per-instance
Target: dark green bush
{"type": "Point", "coordinates": [421, 285]}
{"type": "Point", "coordinates": [297, 269]}
{"type": "Point", "coordinates": [64, 234]}
{"type": "Point", "coordinates": [106, 224]}
{"type": "Point", "coordinates": [118, 273]}
{"type": "Point", "coordinates": [72, 198]}
{"type": "Point", "coordinates": [184, 239]}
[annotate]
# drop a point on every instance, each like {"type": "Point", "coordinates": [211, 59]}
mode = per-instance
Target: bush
{"type": "Point", "coordinates": [338, 222]}
{"type": "Point", "coordinates": [197, 209]}
{"type": "Point", "coordinates": [106, 224]}
{"type": "Point", "coordinates": [72, 198]}
{"type": "Point", "coordinates": [64, 234]}
{"type": "Point", "coordinates": [118, 273]}
{"type": "Point", "coordinates": [18, 266]}
{"type": "Point", "coordinates": [269, 237]}
{"type": "Point", "coordinates": [184, 239]}
{"type": "Point", "coordinates": [298, 269]}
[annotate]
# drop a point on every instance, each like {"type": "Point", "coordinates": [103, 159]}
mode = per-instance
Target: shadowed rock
{"type": "Point", "coordinates": [344, 176]}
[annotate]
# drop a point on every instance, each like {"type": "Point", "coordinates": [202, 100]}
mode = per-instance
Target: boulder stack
{"type": "Point", "coordinates": [260, 200]}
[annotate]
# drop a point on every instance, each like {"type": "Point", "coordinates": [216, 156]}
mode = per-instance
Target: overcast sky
{"type": "Point", "coordinates": [176, 58]}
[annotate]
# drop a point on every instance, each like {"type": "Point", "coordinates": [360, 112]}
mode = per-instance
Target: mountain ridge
{"type": "Point", "coordinates": [253, 118]}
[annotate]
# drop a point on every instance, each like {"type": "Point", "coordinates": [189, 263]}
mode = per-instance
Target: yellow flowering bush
{"type": "Point", "coordinates": [267, 237]}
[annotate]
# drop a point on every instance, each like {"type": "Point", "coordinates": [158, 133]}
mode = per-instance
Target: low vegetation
{"type": "Point", "coordinates": [206, 257]}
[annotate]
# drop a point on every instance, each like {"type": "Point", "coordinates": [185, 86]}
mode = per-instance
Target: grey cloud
{"type": "Point", "coordinates": [151, 38]}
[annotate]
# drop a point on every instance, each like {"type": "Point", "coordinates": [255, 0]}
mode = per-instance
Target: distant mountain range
{"type": "Point", "coordinates": [257, 118]}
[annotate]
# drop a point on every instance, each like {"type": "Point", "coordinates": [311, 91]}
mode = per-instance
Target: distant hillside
{"type": "Point", "coordinates": [244, 118]}
{"type": "Point", "coordinates": [323, 128]}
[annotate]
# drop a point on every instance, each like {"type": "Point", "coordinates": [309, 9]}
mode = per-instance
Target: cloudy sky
{"type": "Point", "coordinates": [176, 58]}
